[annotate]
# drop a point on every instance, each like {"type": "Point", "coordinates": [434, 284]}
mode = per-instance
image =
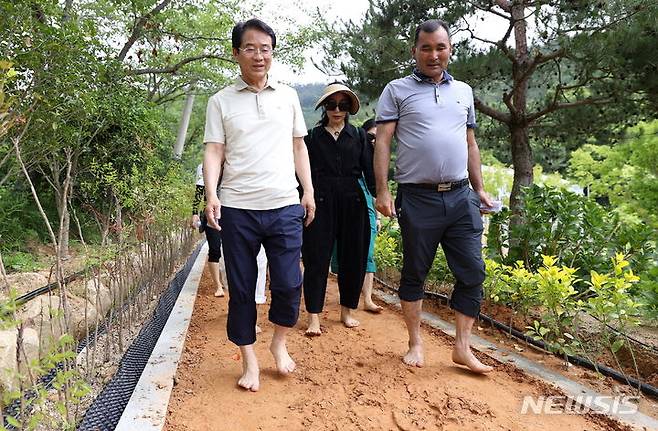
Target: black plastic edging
{"type": "Point", "coordinates": [576, 360]}
{"type": "Point", "coordinates": [47, 288]}
{"type": "Point", "coordinates": [46, 380]}
{"type": "Point", "coordinates": [107, 408]}
{"type": "Point", "coordinates": [634, 340]}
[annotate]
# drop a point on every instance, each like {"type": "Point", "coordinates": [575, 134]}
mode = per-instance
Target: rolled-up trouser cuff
{"type": "Point", "coordinates": [467, 300]}
{"type": "Point", "coordinates": [241, 323]}
{"type": "Point", "coordinates": [349, 304]}
{"type": "Point", "coordinates": [411, 293]}
{"type": "Point", "coordinates": [284, 306]}
{"type": "Point", "coordinates": [286, 323]}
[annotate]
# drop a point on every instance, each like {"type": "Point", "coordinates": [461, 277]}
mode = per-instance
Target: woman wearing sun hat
{"type": "Point", "coordinates": [339, 156]}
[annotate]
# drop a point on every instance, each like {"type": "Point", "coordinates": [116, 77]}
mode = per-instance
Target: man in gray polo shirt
{"type": "Point", "coordinates": [433, 119]}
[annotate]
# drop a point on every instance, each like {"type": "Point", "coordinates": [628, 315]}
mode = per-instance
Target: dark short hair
{"type": "Point", "coordinates": [255, 24]}
{"type": "Point", "coordinates": [430, 26]}
{"type": "Point", "coordinates": [369, 124]}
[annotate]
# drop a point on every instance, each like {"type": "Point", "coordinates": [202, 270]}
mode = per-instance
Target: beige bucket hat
{"type": "Point", "coordinates": [337, 88]}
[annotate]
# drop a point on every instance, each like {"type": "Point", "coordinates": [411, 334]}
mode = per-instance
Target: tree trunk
{"type": "Point", "coordinates": [61, 202]}
{"type": "Point", "coordinates": [522, 162]}
{"type": "Point", "coordinates": [5, 283]}
{"type": "Point", "coordinates": [68, 6]}
{"type": "Point", "coordinates": [64, 235]}
{"type": "Point", "coordinates": [65, 218]}
{"type": "Point", "coordinates": [521, 151]}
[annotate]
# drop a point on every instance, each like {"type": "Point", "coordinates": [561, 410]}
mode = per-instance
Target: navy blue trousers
{"type": "Point", "coordinates": [280, 232]}
{"type": "Point", "coordinates": [429, 218]}
{"type": "Point", "coordinates": [214, 244]}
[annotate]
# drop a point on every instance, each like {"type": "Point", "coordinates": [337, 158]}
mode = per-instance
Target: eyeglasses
{"type": "Point", "coordinates": [330, 105]}
{"type": "Point", "coordinates": [250, 51]}
{"type": "Point", "coordinates": [370, 137]}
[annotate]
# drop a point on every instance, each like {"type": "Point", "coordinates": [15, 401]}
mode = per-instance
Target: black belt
{"type": "Point", "coordinates": [440, 187]}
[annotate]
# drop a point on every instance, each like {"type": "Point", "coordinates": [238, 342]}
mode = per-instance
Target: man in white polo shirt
{"type": "Point", "coordinates": [254, 141]}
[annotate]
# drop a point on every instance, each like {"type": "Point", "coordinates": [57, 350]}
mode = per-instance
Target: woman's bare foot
{"type": "Point", "coordinates": [250, 372]}
{"type": "Point", "coordinates": [219, 292]}
{"type": "Point", "coordinates": [346, 316]}
{"type": "Point", "coordinates": [415, 356]}
{"type": "Point", "coordinates": [371, 307]}
{"type": "Point", "coordinates": [465, 357]}
{"type": "Point", "coordinates": [313, 329]}
{"type": "Point", "coordinates": [284, 363]}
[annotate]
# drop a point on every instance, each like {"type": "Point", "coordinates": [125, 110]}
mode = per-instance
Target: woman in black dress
{"type": "Point", "coordinates": [339, 156]}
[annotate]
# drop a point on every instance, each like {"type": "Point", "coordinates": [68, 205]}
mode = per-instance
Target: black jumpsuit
{"type": "Point", "coordinates": [341, 215]}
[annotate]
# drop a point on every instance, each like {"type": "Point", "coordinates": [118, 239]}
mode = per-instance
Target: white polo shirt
{"type": "Point", "coordinates": [257, 129]}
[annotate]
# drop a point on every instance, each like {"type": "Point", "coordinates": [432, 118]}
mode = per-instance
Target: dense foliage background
{"type": "Point", "coordinates": [92, 95]}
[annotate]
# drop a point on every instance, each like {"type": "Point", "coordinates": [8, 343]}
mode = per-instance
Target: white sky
{"type": "Point", "coordinates": [491, 28]}
{"type": "Point", "coordinates": [334, 9]}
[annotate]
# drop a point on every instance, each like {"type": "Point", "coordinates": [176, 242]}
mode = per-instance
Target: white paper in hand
{"type": "Point", "coordinates": [496, 207]}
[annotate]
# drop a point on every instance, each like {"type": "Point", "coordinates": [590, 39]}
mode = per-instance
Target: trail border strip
{"type": "Point", "coordinates": [107, 409]}
{"type": "Point", "coordinates": [571, 389]}
{"type": "Point", "coordinates": [147, 408]}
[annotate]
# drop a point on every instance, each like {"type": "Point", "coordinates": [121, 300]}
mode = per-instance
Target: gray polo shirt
{"type": "Point", "coordinates": [431, 127]}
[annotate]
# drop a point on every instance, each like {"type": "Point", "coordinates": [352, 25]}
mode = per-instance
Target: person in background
{"type": "Point", "coordinates": [212, 235]}
{"type": "Point", "coordinates": [339, 156]}
{"type": "Point", "coordinates": [369, 305]}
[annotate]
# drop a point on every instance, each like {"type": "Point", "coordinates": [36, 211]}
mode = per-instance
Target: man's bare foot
{"type": "Point", "coordinates": [346, 317]}
{"type": "Point", "coordinates": [415, 356]}
{"type": "Point", "coordinates": [258, 329]}
{"type": "Point", "coordinates": [250, 373]}
{"type": "Point", "coordinates": [284, 363]}
{"type": "Point", "coordinates": [313, 325]}
{"type": "Point", "coordinates": [219, 292]}
{"type": "Point", "coordinates": [467, 358]}
{"type": "Point", "coordinates": [371, 307]}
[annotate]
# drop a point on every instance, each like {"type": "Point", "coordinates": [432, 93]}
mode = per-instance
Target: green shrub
{"type": "Point", "coordinates": [647, 292]}
{"type": "Point", "coordinates": [388, 247]}
{"type": "Point", "coordinates": [513, 286]}
{"type": "Point", "coordinates": [21, 262]}
{"type": "Point", "coordinates": [549, 292]}
{"type": "Point", "coordinates": [611, 301]}
{"type": "Point", "coordinates": [625, 174]}
{"type": "Point", "coordinates": [576, 230]}
{"type": "Point", "coordinates": [19, 220]}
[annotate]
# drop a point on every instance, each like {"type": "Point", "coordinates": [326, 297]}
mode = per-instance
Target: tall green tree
{"type": "Point", "coordinates": [626, 174]}
{"type": "Point", "coordinates": [89, 75]}
{"type": "Point", "coordinates": [59, 82]}
{"type": "Point", "coordinates": [555, 73]}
